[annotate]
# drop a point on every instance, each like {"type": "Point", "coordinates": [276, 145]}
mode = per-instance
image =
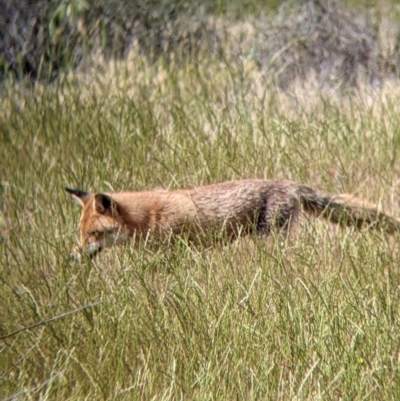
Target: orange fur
{"type": "Point", "coordinates": [229, 208]}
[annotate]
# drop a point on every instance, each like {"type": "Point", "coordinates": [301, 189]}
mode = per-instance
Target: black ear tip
{"type": "Point", "coordinates": [76, 192]}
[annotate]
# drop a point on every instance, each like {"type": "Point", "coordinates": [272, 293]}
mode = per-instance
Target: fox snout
{"type": "Point", "coordinates": [91, 251]}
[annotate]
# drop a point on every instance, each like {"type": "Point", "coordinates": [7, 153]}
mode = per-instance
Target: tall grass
{"type": "Point", "coordinates": [316, 318]}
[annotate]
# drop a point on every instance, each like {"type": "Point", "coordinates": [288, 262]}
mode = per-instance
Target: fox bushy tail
{"type": "Point", "coordinates": [346, 210]}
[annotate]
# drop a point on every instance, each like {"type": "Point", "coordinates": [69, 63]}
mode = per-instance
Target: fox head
{"type": "Point", "coordinates": [101, 224]}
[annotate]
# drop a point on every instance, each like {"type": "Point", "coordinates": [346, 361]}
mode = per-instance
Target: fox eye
{"type": "Point", "coordinates": [91, 233]}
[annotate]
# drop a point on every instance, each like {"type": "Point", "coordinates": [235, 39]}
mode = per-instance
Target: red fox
{"type": "Point", "coordinates": [230, 208]}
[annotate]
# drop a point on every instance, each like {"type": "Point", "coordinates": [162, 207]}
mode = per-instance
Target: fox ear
{"type": "Point", "coordinates": [104, 204]}
{"type": "Point", "coordinates": [78, 196]}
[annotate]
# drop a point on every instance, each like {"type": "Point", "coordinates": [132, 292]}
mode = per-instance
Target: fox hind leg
{"type": "Point", "coordinates": [279, 215]}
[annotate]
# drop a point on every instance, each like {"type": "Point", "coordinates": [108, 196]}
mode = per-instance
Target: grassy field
{"type": "Point", "coordinates": [314, 319]}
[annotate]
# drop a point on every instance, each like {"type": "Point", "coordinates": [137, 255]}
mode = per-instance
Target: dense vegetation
{"type": "Point", "coordinates": [306, 91]}
{"type": "Point", "coordinates": [286, 39]}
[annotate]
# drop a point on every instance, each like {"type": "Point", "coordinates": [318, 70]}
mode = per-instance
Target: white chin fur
{"type": "Point", "coordinates": [93, 248]}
